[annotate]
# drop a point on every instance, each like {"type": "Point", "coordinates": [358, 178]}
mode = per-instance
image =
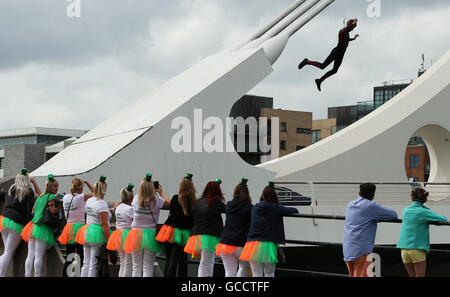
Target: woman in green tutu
{"type": "Point", "coordinates": [207, 228]}
{"type": "Point", "coordinates": [141, 240]}
{"type": "Point", "coordinates": [96, 232]}
{"type": "Point", "coordinates": [176, 230]}
{"type": "Point", "coordinates": [266, 232]}
{"type": "Point", "coordinates": [17, 213]}
{"type": "Point", "coordinates": [38, 235]}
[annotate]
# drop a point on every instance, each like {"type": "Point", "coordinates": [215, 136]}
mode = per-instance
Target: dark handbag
{"type": "Point", "coordinates": [281, 255]}
{"type": "Point", "coordinates": [53, 221]}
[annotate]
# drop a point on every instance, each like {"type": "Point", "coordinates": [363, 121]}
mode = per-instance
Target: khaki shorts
{"type": "Point", "coordinates": [413, 256]}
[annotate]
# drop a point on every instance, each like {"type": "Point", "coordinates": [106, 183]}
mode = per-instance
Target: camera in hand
{"type": "Point", "coordinates": [156, 183]}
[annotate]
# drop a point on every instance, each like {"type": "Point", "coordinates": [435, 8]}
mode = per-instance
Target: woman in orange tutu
{"type": "Point", "coordinates": [266, 232]}
{"type": "Point", "coordinates": [207, 228]}
{"type": "Point", "coordinates": [141, 240]}
{"type": "Point", "coordinates": [124, 217]}
{"type": "Point", "coordinates": [96, 232]}
{"type": "Point", "coordinates": [38, 234]}
{"type": "Point", "coordinates": [17, 213]}
{"type": "Point", "coordinates": [234, 235]}
{"type": "Point", "coordinates": [74, 211]}
{"type": "Point", "coordinates": [176, 230]}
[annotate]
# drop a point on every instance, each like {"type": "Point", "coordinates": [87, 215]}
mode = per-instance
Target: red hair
{"type": "Point", "coordinates": [212, 192]}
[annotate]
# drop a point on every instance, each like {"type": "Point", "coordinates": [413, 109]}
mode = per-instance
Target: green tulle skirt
{"type": "Point", "coordinates": [196, 243]}
{"type": "Point", "coordinates": [139, 239]}
{"type": "Point", "coordinates": [6, 223]}
{"type": "Point", "coordinates": [173, 235]}
{"type": "Point", "coordinates": [260, 251]}
{"type": "Point", "coordinates": [38, 231]}
{"type": "Point", "coordinates": [92, 234]}
{"type": "Point", "coordinates": [181, 236]}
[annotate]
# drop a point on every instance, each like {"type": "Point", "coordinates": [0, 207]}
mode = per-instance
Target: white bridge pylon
{"type": "Point", "coordinates": [137, 139]}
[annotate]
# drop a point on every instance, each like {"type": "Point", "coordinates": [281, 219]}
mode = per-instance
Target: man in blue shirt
{"type": "Point", "coordinates": [361, 228]}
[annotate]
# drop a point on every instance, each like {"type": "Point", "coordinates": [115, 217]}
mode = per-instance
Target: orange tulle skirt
{"type": "Point", "coordinates": [69, 233]}
{"type": "Point", "coordinates": [139, 239]}
{"type": "Point", "coordinates": [165, 234]}
{"type": "Point", "coordinates": [116, 241]}
{"type": "Point", "coordinates": [26, 232]}
{"type": "Point", "coordinates": [79, 237]}
{"type": "Point", "coordinates": [225, 249]}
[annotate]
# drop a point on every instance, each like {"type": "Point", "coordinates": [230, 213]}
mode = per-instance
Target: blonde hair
{"type": "Point", "coordinates": [147, 194]}
{"type": "Point", "coordinates": [77, 184]}
{"type": "Point", "coordinates": [100, 189]}
{"type": "Point", "coordinates": [21, 187]}
{"type": "Point", "coordinates": [186, 196]}
{"type": "Point", "coordinates": [48, 185]}
{"type": "Point", "coordinates": [125, 195]}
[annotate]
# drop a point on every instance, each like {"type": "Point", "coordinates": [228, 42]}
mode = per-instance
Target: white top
{"type": "Point", "coordinates": [77, 208]}
{"type": "Point", "coordinates": [94, 207]}
{"type": "Point", "coordinates": [143, 217]}
{"type": "Point", "coordinates": [124, 216]}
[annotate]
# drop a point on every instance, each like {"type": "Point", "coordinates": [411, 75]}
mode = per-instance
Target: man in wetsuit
{"type": "Point", "coordinates": [337, 54]}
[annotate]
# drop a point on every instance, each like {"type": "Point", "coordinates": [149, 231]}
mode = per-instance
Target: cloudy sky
{"type": "Point", "coordinates": [57, 71]}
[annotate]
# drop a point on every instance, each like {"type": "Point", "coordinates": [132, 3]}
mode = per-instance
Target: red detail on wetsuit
{"type": "Point", "coordinates": [317, 64]}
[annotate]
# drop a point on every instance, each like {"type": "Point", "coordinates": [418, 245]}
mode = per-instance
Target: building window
{"type": "Point", "coordinates": [1, 163]}
{"type": "Point", "coordinates": [416, 141]}
{"type": "Point", "coordinates": [283, 127]}
{"type": "Point", "coordinates": [300, 147]}
{"type": "Point", "coordinates": [414, 161]}
{"type": "Point", "coordinates": [316, 136]}
{"type": "Point", "coordinates": [283, 145]}
{"type": "Point", "coordinates": [303, 131]}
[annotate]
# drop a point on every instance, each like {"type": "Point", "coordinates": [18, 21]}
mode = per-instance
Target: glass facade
{"type": "Point", "coordinates": [303, 131]}
{"type": "Point", "coordinates": [414, 161]}
{"type": "Point", "coordinates": [316, 136]}
{"type": "Point", "coordinates": [31, 139]}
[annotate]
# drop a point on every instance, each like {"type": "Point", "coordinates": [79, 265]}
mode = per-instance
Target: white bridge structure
{"type": "Point", "coordinates": [138, 139]}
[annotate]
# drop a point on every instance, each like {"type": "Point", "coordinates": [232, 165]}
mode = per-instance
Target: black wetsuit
{"type": "Point", "coordinates": [336, 55]}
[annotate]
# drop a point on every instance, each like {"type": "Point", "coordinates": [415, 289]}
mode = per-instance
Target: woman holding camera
{"type": "Point", "coordinates": [414, 237]}
{"type": "Point", "coordinates": [74, 211]}
{"type": "Point", "coordinates": [176, 230]}
{"type": "Point", "coordinates": [17, 213]}
{"type": "Point", "coordinates": [124, 217]}
{"type": "Point", "coordinates": [234, 235]}
{"type": "Point", "coordinates": [96, 232]}
{"type": "Point", "coordinates": [207, 228]}
{"type": "Point", "coordinates": [266, 232]}
{"type": "Point", "coordinates": [141, 240]}
{"type": "Point", "coordinates": [37, 233]}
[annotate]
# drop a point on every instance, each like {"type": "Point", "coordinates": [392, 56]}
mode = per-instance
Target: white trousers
{"type": "Point", "coordinates": [206, 266]}
{"type": "Point", "coordinates": [36, 252]}
{"type": "Point", "coordinates": [143, 262]}
{"type": "Point", "coordinates": [233, 266]}
{"type": "Point", "coordinates": [126, 264]}
{"type": "Point", "coordinates": [262, 269]}
{"type": "Point", "coordinates": [11, 240]}
{"type": "Point", "coordinates": [90, 261]}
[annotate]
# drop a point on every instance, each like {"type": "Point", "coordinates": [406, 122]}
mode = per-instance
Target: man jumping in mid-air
{"type": "Point", "coordinates": [337, 54]}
